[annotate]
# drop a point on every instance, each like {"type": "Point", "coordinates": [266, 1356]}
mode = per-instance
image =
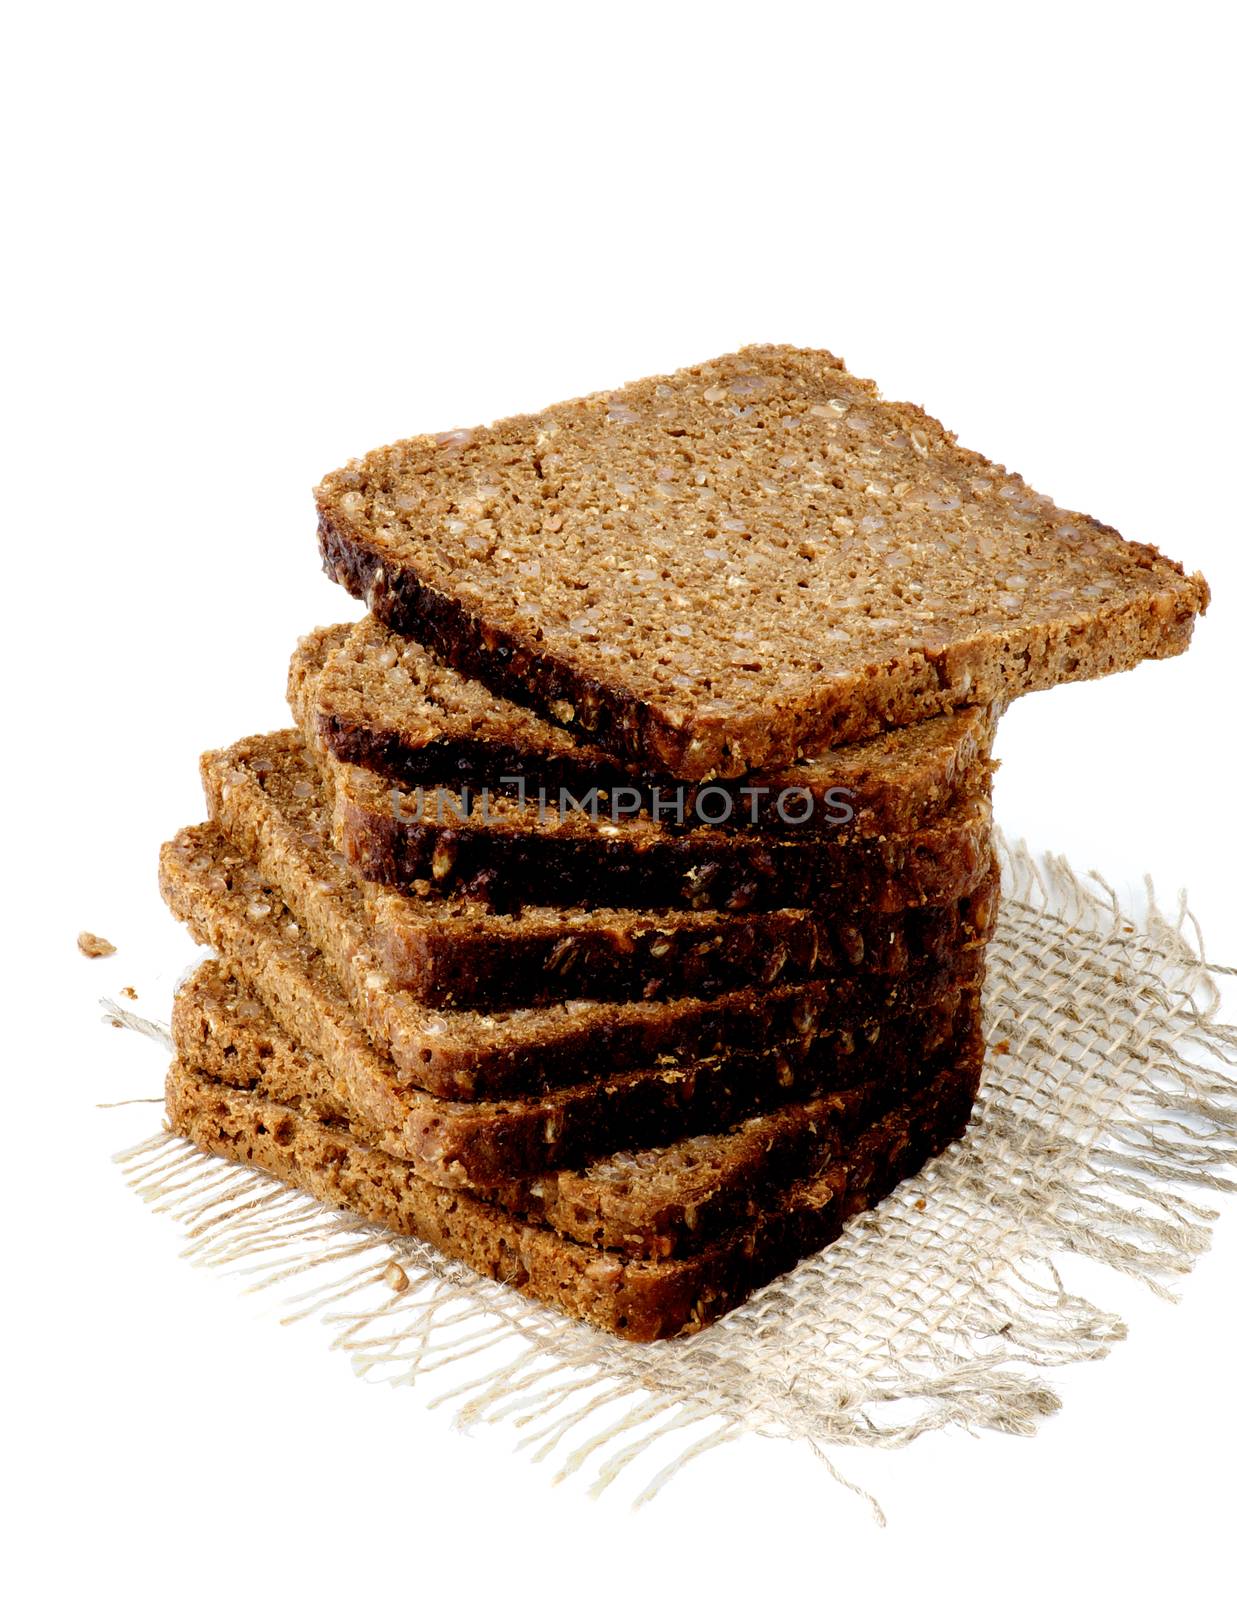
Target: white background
{"type": "Point", "coordinates": [250, 241]}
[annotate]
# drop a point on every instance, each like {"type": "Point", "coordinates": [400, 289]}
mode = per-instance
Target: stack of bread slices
{"type": "Point", "coordinates": [614, 915]}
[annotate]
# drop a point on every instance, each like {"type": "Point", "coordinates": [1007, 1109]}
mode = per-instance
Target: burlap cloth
{"type": "Point", "coordinates": [1108, 1098]}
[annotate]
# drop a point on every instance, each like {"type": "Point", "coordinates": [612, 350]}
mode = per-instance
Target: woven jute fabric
{"type": "Point", "coordinates": [1108, 1105]}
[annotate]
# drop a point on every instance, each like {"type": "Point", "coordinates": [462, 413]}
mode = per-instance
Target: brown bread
{"type": "Point", "coordinates": [230, 907]}
{"type": "Point", "coordinates": [511, 851]}
{"type": "Point", "coordinates": [401, 838]}
{"type": "Point", "coordinates": [636, 1299]}
{"type": "Point", "coordinates": [236, 889]}
{"type": "Point", "coordinates": [752, 560]}
{"type": "Point", "coordinates": [264, 793]}
{"type": "Point", "coordinates": [378, 700]}
{"type": "Point", "coordinates": [653, 1203]}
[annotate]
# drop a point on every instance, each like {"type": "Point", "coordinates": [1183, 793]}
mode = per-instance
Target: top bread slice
{"type": "Point", "coordinates": [752, 560]}
{"type": "Point", "coordinates": [383, 702]}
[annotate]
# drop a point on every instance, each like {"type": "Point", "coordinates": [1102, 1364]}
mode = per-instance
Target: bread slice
{"type": "Point", "coordinates": [636, 1299]}
{"type": "Point", "coordinates": [453, 953]}
{"type": "Point", "coordinates": [377, 700]}
{"type": "Point", "coordinates": [751, 560]}
{"type": "Point", "coordinates": [509, 856]}
{"type": "Point", "coordinates": [229, 906]}
{"type": "Point", "coordinates": [263, 794]}
{"type": "Point", "coordinates": [511, 852]}
{"type": "Point", "coordinates": [667, 1201]}
{"type": "Point", "coordinates": [515, 850]}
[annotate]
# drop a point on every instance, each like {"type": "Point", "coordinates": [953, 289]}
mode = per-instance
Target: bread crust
{"type": "Point", "coordinates": [264, 793]}
{"type": "Point", "coordinates": [636, 1299]}
{"type": "Point", "coordinates": [996, 591]}
{"type": "Point", "coordinates": [375, 699]}
{"type": "Point", "coordinates": [655, 1203]}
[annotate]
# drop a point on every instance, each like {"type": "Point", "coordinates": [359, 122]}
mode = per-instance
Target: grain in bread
{"type": "Point", "coordinates": [376, 699]}
{"type": "Point", "coordinates": [636, 1299]}
{"type": "Point", "coordinates": [265, 794]}
{"type": "Point", "coordinates": [275, 856]}
{"type": "Point", "coordinates": [653, 1203]}
{"type": "Point", "coordinates": [751, 560]}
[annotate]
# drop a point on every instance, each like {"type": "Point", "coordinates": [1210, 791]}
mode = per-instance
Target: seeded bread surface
{"type": "Point", "coordinates": [636, 1299]}
{"type": "Point", "coordinates": [746, 562]}
{"type": "Point", "coordinates": [264, 792]}
{"type": "Point", "coordinates": [273, 858]}
{"type": "Point", "coordinates": [398, 837]}
{"type": "Point", "coordinates": [378, 700]}
{"type": "Point", "coordinates": [228, 905]}
{"type": "Point", "coordinates": [653, 1203]}
{"type": "Point", "coordinates": [514, 851]}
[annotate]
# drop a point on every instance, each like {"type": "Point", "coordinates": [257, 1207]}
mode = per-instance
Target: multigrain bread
{"type": "Point", "coordinates": [461, 954]}
{"type": "Point", "coordinates": [654, 1203]}
{"type": "Point", "coordinates": [274, 856]}
{"type": "Point", "coordinates": [484, 1140]}
{"type": "Point", "coordinates": [377, 700]}
{"type": "Point", "coordinates": [510, 852]}
{"type": "Point", "coordinates": [636, 1299]}
{"type": "Point", "coordinates": [477, 1145]}
{"type": "Point", "coordinates": [511, 856]}
{"type": "Point", "coordinates": [751, 560]}
{"type": "Point", "coordinates": [264, 792]}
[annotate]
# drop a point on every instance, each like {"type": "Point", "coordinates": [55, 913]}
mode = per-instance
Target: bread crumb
{"type": "Point", "coordinates": [91, 945]}
{"type": "Point", "coordinates": [921, 1204]}
{"type": "Point", "coordinates": [396, 1277]}
{"type": "Point", "coordinates": [129, 993]}
{"type": "Point", "coordinates": [1001, 1047]}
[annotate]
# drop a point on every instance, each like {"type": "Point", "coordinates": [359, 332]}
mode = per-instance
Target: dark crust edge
{"type": "Point", "coordinates": [973, 671]}
{"type": "Point", "coordinates": [639, 1301]}
{"type": "Point", "coordinates": [701, 870]}
{"type": "Point", "coordinates": [463, 968]}
{"type": "Point", "coordinates": [799, 1141]}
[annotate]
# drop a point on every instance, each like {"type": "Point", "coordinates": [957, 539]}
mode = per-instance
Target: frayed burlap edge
{"type": "Point", "coordinates": [1108, 1099]}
